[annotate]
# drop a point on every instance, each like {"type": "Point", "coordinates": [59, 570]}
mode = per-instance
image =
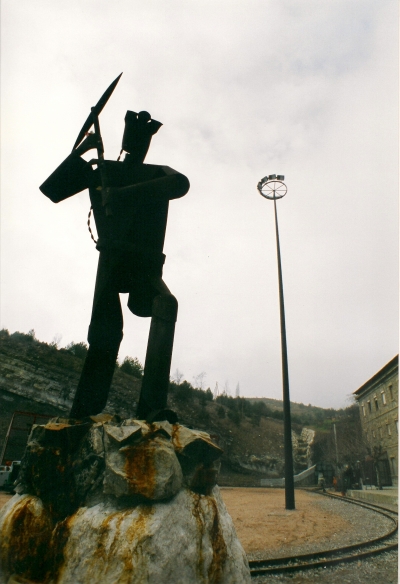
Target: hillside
{"type": "Point", "coordinates": [308, 415]}
{"type": "Point", "coordinates": [40, 378]}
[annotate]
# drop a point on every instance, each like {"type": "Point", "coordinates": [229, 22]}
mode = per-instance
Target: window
{"type": "Point", "coordinates": [376, 403]}
{"type": "Point", "coordinates": [388, 429]}
{"type": "Point", "coordinates": [373, 434]}
{"type": "Point", "coordinates": [369, 406]}
{"type": "Point", "coordinates": [383, 397]}
{"type": "Point", "coordinates": [391, 392]}
{"type": "Point", "coordinates": [380, 432]}
{"type": "Point", "coordinates": [394, 466]}
{"type": "Point", "coordinates": [396, 423]}
{"type": "Point", "coordinates": [363, 410]}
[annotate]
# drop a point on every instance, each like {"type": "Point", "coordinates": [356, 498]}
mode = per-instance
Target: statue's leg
{"type": "Point", "coordinates": [105, 335]}
{"type": "Point", "coordinates": [154, 392]}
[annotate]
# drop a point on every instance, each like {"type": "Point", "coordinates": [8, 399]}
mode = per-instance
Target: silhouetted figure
{"type": "Point", "coordinates": [130, 205]}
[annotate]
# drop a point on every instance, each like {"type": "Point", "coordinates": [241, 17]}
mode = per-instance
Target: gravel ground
{"type": "Point", "coordinates": [379, 570]}
{"type": "Point", "coordinates": [382, 569]}
{"type": "Point", "coordinates": [365, 524]}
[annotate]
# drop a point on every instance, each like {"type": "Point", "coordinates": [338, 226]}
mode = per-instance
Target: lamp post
{"type": "Point", "coordinates": [272, 187]}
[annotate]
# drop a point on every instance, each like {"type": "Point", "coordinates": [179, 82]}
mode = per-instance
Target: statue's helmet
{"type": "Point", "coordinates": [139, 129]}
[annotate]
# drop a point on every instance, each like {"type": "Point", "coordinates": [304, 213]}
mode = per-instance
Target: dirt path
{"type": "Point", "coordinates": [262, 523]}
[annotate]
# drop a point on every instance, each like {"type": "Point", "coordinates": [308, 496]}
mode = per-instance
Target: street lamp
{"type": "Point", "coordinates": [272, 187]}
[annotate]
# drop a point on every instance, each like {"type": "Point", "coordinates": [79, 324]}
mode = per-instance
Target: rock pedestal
{"type": "Point", "coordinates": [119, 501]}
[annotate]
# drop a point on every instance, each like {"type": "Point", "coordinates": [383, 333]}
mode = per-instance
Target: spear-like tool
{"type": "Point", "coordinates": [93, 120]}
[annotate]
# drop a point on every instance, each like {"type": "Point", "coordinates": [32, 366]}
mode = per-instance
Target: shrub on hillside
{"type": "Point", "coordinates": [132, 366]}
{"type": "Point", "coordinates": [234, 416]}
{"type": "Point", "coordinates": [184, 392]}
{"type": "Point", "coordinates": [255, 420]}
{"type": "Point", "coordinates": [78, 349]}
{"type": "Point", "coordinates": [25, 338]}
{"type": "Point", "coordinates": [204, 396]}
{"type": "Point", "coordinates": [221, 412]}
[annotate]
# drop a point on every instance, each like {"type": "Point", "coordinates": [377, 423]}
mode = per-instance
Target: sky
{"type": "Point", "coordinates": [244, 89]}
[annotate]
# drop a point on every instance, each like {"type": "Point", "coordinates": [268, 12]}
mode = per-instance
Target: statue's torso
{"type": "Point", "coordinates": [137, 222]}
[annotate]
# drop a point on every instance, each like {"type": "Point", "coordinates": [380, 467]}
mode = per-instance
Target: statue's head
{"type": "Point", "coordinates": [139, 129]}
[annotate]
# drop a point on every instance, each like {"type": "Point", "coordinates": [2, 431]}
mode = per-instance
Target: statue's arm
{"type": "Point", "coordinates": [172, 185]}
{"type": "Point", "coordinates": [72, 176]}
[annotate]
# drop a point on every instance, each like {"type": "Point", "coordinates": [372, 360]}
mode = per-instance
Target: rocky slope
{"type": "Point", "coordinates": [36, 377]}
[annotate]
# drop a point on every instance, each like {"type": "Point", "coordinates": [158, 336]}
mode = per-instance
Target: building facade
{"type": "Point", "coordinates": [378, 402]}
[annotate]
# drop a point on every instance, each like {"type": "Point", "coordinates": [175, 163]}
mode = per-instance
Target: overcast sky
{"type": "Point", "coordinates": [244, 88]}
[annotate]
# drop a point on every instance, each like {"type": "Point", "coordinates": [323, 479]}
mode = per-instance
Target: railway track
{"type": "Point", "coordinates": [331, 557]}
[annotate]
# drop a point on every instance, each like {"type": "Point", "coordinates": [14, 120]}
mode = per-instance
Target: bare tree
{"type": "Point", "coordinates": [56, 340]}
{"type": "Point", "coordinates": [177, 377]}
{"type": "Point", "coordinates": [199, 380]}
{"type": "Point", "coordinates": [216, 390]}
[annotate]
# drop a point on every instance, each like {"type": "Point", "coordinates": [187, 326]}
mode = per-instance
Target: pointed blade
{"type": "Point", "coordinates": [97, 109]}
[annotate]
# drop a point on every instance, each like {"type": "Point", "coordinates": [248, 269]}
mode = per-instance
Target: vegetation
{"type": "Point", "coordinates": [132, 366]}
{"type": "Point", "coordinates": [183, 393]}
{"type": "Point", "coordinates": [78, 349]}
{"type": "Point", "coordinates": [342, 442]}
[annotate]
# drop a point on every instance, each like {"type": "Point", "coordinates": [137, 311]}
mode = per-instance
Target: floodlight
{"type": "Point", "coordinates": [272, 177]}
{"type": "Point", "coordinates": [280, 177]}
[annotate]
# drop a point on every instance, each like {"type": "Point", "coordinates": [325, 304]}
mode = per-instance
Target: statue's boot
{"type": "Point", "coordinates": [154, 391]}
{"type": "Point", "coordinates": [94, 384]}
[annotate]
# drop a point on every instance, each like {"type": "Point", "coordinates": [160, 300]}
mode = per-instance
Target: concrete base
{"type": "Point", "coordinates": [376, 496]}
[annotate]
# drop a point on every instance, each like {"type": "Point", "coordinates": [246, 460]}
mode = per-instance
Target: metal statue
{"type": "Point", "coordinates": [130, 205]}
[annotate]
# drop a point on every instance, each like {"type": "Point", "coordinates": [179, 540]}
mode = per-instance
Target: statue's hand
{"type": "Point", "coordinates": [89, 143]}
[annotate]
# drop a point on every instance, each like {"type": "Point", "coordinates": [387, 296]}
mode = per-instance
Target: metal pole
{"type": "Point", "coordinates": [287, 425]}
{"type": "Point", "coordinates": [334, 432]}
{"type": "Point", "coordinates": [3, 450]}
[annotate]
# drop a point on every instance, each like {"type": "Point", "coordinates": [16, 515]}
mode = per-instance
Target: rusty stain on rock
{"type": "Point", "coordinates": [175, 437]}
{"type": "Point", "coordinates": [105, 549]}
{"type": "Point", "coordinates": [55, 426]}
{"type": "Point", "coordinates": [25, 537]}
{"type": "Point", "coordinates": [56, 550]}
{"type": "Point", "coordinates": [197, 514]}
{"type": "Point", "coordinates": [219, 548]}
{"type": "Point", "coordinates": [140, 468]}
{"type": "Point", "coordinates": [220, 552]}
{"type": "Point", "coordinates": [121, 544]}
{"type": "Point", "coordinates": [137, 533]}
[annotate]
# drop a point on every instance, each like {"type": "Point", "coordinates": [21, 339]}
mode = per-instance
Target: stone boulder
{"type": "Point", "coordinates": [119, 501]}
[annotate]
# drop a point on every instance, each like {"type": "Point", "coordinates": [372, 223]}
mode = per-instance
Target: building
{"type": "Point", "coordinates": [378, 402]}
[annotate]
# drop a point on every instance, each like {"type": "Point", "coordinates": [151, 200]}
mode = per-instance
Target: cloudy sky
{"type": "Point", "coordinates": [244, 88]}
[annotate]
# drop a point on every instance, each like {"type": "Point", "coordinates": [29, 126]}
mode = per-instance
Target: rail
{"type": "Point", "coordinates": [331, 557]}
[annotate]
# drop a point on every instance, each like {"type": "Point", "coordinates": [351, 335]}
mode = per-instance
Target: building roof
{"type": "Point", "coordinates": [392, 365]}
